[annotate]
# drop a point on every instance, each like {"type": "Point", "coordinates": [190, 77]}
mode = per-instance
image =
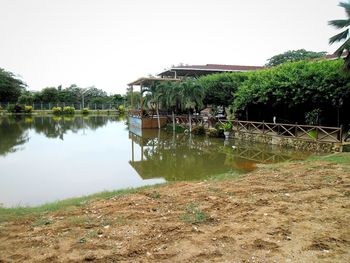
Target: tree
{"type": "Point", "coordinates": [193, 95]}
{"type": "Point", "coordinates": [172, 97]}
{"type": "Point", "coordinates": [343, 36]}
{"type": "Point", "coordinates": [152, 99]}
{"type": "Point", "coordinates": [292, 56]}
{"type": "Point", "coordinates": [49, 95]}
{"type": "Point", "coordinates": [10, 86]}
{"type": "Point", "coordinates": [219, 88]}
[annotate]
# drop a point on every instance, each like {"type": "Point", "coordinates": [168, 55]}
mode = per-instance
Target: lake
{"type": "Point", "coordinates": [48, 158]}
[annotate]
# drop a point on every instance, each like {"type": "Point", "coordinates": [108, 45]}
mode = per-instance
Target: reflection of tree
{"type": "Point", "coordinates": [180, 157]}
{"type": "Point", "coordinates": [186, 157]}
{"type": "Point", "coordinates": [12, 135]}
{"type": "Point", "coordinates": [13, 129]}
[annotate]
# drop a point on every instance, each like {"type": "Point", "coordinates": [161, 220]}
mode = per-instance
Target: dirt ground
{"type": "Point", "coordinates": [294, 212]}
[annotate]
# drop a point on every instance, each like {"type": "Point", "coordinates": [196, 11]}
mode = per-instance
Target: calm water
{"type": "Point", "coordinates": [44, 159]}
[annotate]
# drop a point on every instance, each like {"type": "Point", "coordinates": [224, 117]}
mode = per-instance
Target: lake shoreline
{"type": "Point", "coordinates": [295, 210]}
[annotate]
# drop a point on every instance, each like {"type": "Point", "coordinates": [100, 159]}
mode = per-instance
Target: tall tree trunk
{"type": "Point", "coordinates": [190, 120]}
{"type": "Point", "coordinates": [158, 117]}
{"type": "Point", "coordinates": [173, 120]}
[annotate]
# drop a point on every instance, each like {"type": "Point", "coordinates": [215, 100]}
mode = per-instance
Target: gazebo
{"type": "Point", "coordinates": [137, 118]}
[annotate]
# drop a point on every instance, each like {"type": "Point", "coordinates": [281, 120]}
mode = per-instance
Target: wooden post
{"type": "Point", "coordinates": [296, 130]}
{"type": "Point", "coordinates": [340, 134]}
{"type": "Point", "coordinates": [141, 110]}
{"type": "Point", "coordinates": [132, 97]}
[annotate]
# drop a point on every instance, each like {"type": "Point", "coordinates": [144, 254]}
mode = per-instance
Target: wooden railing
{"type": "Point", "coordinates": [301, 132]}
{"type": "Point", "coordinates": [134, 113]}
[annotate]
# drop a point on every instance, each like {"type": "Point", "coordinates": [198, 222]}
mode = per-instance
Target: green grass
{"type": "Point", "coordinates": [340, 158]}
{"type": "Point", "coordinates": [193, 215]}
{"type": "Point", "coordinates": [7, 214]}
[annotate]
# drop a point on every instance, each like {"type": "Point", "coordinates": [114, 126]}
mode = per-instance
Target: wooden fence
{"type": "Point", "coordinates": [300, 132]}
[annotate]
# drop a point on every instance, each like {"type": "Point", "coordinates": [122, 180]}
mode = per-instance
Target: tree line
{"type": "Point", "coordinates": [14, 90]}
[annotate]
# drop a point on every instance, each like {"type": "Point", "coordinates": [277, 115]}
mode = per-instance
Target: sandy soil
{"type": "Point", "coordinates": [296, 212]}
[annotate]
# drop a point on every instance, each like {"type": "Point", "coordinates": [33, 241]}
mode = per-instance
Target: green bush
{"type": "Point", "coordinates": [56, 110]}
{"type": "Point", "coordinates": [85, 111]}
{"type": "Point", "coordinates": [121, 108]}
{"type": "Point", "coordinates": [178, 128]}
{"type": "Point", "coordinates": [28, 109]}
{"type": "Point", "coordinates": [198, 130]}
{"type": "Point", "coordinates": [226, 126]}
{"type": "Point", "coordinates": [68, 110]}
{"type": "Point", "coordinates": [15, 108]}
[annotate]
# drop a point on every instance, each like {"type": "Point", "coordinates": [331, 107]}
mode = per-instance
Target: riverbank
{"type": "Point", "coordinates": [289, 212]}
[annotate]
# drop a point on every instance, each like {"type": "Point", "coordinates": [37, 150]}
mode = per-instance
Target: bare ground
{"type": "Point", "coordinates": [294, 212]}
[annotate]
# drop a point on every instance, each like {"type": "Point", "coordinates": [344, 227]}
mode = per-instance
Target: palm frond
{"type": "Point", "coordinates": [339, 37]}
{"type": "Point", "coordinates": [346, 6]}
{"type": "Point", "coordinates": [345, 46]}
{"type": "Point", "coordinates": [339, 23]}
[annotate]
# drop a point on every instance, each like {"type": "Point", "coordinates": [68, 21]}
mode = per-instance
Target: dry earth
{"type": "Point", "coordinates": [294, 212]}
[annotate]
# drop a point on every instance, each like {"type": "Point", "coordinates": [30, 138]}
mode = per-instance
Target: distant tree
{"type": "Point", "coordinates": [27, 97]}
{"type": "Point", "coordinates": [49, 95]}
{"type": "Point", "coordinates": [343, 36]}
{"type": "Point", "coordinates": [293, 55]}
{"type": "Point", "coordinates": [11, 86]}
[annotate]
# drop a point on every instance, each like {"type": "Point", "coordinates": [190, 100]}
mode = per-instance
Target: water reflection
{"type": "Point", "coordinates": [186, 157]}
{"type": "Point", "coordinates": [14, 129]}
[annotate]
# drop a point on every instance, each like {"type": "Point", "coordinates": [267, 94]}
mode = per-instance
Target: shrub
{"type": "Point", "coordinates": [56, 110]}
{"type": "Point", "coordinates": [121, 108]}
{"type": "Point", "coordinates": [227, 126]}
{"type": "Point", "coordinates": [17, 108]}
{"type": "Point", "coordinates": [178, 128]}
{"type": "Point", "coordinates": [85, 111]}
{"type": "Point", "coordinates": [28, 109]}
{"type": "Point", "coordinates": [198, 130]}
{"type": "Point", "coordinates": [68, 110]}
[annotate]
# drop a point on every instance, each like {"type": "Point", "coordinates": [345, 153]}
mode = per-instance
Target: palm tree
{"type": "Point", "coordinates": [343, 36]}
{"type": "Point", "coordinates": [153, 97]}
{"type": "Point", "coordinates": [172, 96]}
{"type": "Point", "coordinates": [193, 96]}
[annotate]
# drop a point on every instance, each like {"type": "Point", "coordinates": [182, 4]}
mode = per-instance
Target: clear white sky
{"type": "Point", "coordinates": [109, 43]}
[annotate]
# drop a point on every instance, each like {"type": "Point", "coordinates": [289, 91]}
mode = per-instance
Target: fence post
{"type": "Point", "coordinates": [296, 130]}
{"type": "Point", "coordinates": [340, 134]}
{"type": "Point", "coordinates": [263, 122]}
{"type": "Point", "coordinates": [49, 105]}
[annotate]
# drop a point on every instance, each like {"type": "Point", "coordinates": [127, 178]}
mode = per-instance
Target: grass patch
{"type": "Point", "coordinates": [42, 222]}
{"type": "Point", "coordinates": [8, 214]}
{"type": "Point", "coordinates": [193, 215]}
{"type": "Point", "coordinates": [225, 176]}
{"type": "Point", "coordinates": [340, 158]}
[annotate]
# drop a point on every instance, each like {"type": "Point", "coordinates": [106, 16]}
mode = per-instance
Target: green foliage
{"type": "Point", "coordinates": [198, 130]}
{"type": "Point", "coordinates": [294, 86]}
{"type": "Point", "coordinates": [68, 110]}
{"type": "Point", "coordinates": [28, 109]}
{"type": "Point", "coordinates": [15, 108]}
{"type": "Point", "coordinates": [293, 56]}
{"type": "Point", "coordinates": [226, 126]}
{"type": "Point", "coordinates": [85, 111]}
{"type": "Point", "coordinates": [178, 128]}
{"type": "Point", "coordinates": [11, 86]}
{"type": "Point", "coordinates": [313, 117]}
{"type": "Point", "coordinates": [344, 36]}
{"type": "Point", "coordinates": [220, 88]}
{"type": "Point", "coordinates": [193, 215]}
{"type": "Point", "coordinates": [121, 108]}
{"type": "Point", "coordinates": [56, 110]}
